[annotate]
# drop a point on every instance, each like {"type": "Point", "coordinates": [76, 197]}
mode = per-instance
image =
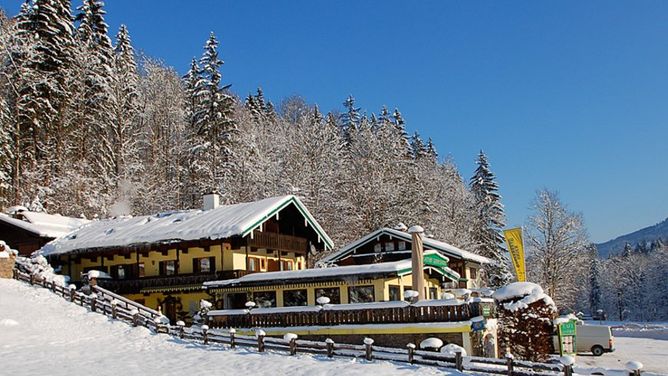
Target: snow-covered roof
{"type": "Point", "coordinates": [428, 243]}
{"type": "Point", "coordinates": [43, 224]}
{"type": "Point", "coordinates": [222, 222]}
{"type": "Point", "coordinates": [401, 267]}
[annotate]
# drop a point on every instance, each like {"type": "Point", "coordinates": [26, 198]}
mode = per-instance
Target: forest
{"type": "Point", "coordinates": [89, 127]}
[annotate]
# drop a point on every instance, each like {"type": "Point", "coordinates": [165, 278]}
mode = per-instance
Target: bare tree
{"type": "Point", "coordinates": [557, 247]}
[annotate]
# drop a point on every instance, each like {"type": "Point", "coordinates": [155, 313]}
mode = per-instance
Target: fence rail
{"type": "Point", "coordinates": [120, 308]}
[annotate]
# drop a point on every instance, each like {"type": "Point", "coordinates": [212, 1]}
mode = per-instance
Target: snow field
{"type": "Point", "coordinates": [40, 331]}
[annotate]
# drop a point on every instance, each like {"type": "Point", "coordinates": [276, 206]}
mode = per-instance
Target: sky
{"type": "Point", "coordinates": [568, 96]}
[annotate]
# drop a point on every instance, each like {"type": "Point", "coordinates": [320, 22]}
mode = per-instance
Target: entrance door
{"type": "Point", "coordinates": [170, 307]}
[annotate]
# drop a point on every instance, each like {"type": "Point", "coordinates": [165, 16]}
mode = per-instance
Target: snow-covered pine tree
{"type": "Point", "coordinates": [431, 151]}
{"type": "Point", "coordinates": [350, 119]}
{"type": "Point", "coordinates": [215, 126]}
{"type": "Point", "coordinates": [43, 94]}
{"type": "Point", "coordinates": [418, 147]}
{"type": "Point", "coordinates": [488, 222]}
{"type": "Point", "coordinates": [594, 282]}
{"type": "Point", "coordinates": [400, 125]}
{"type": "Point", "coordinates": [117, 162]}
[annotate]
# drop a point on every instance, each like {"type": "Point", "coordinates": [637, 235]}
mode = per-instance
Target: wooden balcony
{"type": "Point", "coordinates": [132, 286]}
{"type": "Point", "coordinates": [279, 242]}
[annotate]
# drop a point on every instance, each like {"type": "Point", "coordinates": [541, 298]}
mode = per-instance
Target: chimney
{"type": "Point", "coordinates": [211, 201]}
{"type": "Point", "coordinates": [417, 265]}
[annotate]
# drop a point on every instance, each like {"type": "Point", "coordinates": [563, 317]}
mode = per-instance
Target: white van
{"type": "Point", "coordinates": [596, 339]}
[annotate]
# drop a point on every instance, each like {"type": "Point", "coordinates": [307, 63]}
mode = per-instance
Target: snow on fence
{"type": "Point", "coordinates": [120, 308]}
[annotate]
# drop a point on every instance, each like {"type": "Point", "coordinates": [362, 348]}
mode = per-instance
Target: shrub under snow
{"type": "Point", "coordinates": [525, 320]}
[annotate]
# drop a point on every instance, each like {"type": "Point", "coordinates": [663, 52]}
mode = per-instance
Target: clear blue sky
{"type": "Point", "coordinates": [570, 96]}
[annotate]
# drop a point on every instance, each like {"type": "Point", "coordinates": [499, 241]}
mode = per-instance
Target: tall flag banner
{"type": "Point", "coordinates": [516, 248]}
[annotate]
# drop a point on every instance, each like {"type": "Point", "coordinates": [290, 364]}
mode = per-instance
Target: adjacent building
{"type": "Point", "coordinates": [379, 282]}
{"type": "Point", "coordinates": [27, 231]}
{"type": "Point", "coordinates": [387, 244]}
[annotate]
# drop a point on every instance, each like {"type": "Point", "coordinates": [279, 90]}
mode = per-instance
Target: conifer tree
{"type": "Point", "coordinates": [350, 119]}
{"type": "Point", "coordinates": [214, 125]}
{"type": "Point", "coordinates": [489, 221]}
{"type": "Point", "coordinates": [594, 282]}
{"type": "Point", "coordinates": [418, 147]}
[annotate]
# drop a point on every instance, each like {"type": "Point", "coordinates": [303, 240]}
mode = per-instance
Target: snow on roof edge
{"type": "Point", "coordinates": [439, 245]}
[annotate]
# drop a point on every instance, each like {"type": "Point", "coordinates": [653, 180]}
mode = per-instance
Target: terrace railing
{"type": "Point", "coordinates": [344, 314]}
{"type": "Point", "coordinates": [126, 286]}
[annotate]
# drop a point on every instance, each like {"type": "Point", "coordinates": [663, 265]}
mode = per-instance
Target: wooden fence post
{"type": "Point", "coordinates": [113, 309]}
{"type": "Point", "coordinates": [330, 347]}
{"type": "Point", "coordinates": [260, 340]}
{"type": "Point", "coordinates": [292, 342]}
{"type": "Point", "coordinates": [93, 302]}
{"type": "Point", "coordinates": [15, 273]}
{"type": "Point", "coordinates": [233, 343]}
{"type": "Point", "coordinates": [135, 317]}
{"type": "Point", "coordinates": [368, 353]}
{"type": "Point", "coordinates": [73, 290]}
{"type": "Point", "coordinates": [411, 353]}
{"type": "Point", "coordinates": [509, 363]}
{"type": "Point", "coordinates": [568, 362]}
{"type": "Point", "coordinates": [53, 286]}
{"type": "Point", "coordinates": [32, 279]}
{"type": "Point", "coordinates": [205, 334]}
{"type": "Point", "coordinates": [634, 368]}
{"type": "Point", "coordinates": [181, 326]}
{"type": "Point", "coordinates": [459, 364]}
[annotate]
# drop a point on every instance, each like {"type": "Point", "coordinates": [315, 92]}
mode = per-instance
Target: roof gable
{"type": "Point", "coordinates": [429, 243]}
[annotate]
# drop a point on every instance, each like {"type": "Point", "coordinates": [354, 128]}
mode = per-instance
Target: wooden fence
{"type": "Point", "coordinates": [120, 308]}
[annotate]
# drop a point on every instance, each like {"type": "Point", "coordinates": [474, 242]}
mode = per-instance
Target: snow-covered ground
{"type": "Point", "coordinates": [643, 342]}
{"type": "Point", "coordinates": [41, 333]}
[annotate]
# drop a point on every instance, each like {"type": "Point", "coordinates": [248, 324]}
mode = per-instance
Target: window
{"type": "Point", "coordinates": [474, 273]}
{"type": "Point", "coordinates": [293, 298]}
{"type": "Point", "coordinates": [333, 293]}
{"type": "Point", "coordinates": [141, 270]}
{"type": "Point", "coordinates": [204, 265]}
{"type": "Point", "coordinates": [120, 272]}
{"type": "Point", "coordinates": [265, 299]}
{"type": "Point", "coordinates": [433, 292]}
{"type": "Point", "coordinates": [377, 247]}
{"type": "Point", "coordinates": [360, 294]}
{"type": "Point", "coordinates": [167, 267]}
{"type": "Point", "coordinates": [395, 293]}
{"type": "Point", "coordinates": [253, 264]}
{"type": "Point", "coordinates": [286, 264]}
{"type": "Point", "coordinates": [401, 246]}
{"type": "Point", "coordinates": [389, 246]}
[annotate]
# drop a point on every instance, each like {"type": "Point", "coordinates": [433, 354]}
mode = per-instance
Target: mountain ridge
{"type": "Point", "coordinates": [652, 233]}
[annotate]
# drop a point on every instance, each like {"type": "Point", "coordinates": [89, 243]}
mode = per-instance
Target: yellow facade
{"type": "Point", "coordinates": [225, 259]}
{"type": "Point", "coordinates": [381, 288]}
{"type": "Point", "coordinates": [182, 298]}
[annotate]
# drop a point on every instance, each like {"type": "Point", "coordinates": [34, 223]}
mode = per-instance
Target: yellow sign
{"type": "Point", "coordinates": [516, 248]}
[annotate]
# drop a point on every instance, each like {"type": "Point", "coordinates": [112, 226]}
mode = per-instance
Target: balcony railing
{"type": "Point", "coordinates": [278, 241]}
{"type": "Point", "coordinates": [129, 286]}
